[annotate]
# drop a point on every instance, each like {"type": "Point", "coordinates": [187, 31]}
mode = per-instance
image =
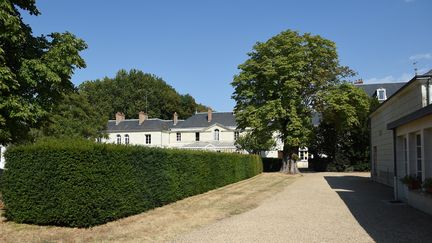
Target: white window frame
{"type": "Point", "coordinates": [118, 141]}
{"type": "Point", "coordinates": [216, 135]}
{"type": "Point", "coordinates": [148, 139]}
{"type": "Point", "coordinates": [127, 139]}
{"type": "Point", "coordinates": [197, 136]}
{"type": "Point", "coordinates": [178, 136]}
{"type": "Point", "coordinates": [384, 94]}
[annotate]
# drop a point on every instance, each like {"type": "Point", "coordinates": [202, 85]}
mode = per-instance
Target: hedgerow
{"type": "Point", "coordinates": [81, 184]}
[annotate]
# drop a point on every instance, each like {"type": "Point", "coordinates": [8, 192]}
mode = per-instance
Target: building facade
{"type": "Point", "coordinates": [212, 131]}
{"type": "Point", "coordinates": [401, 137]}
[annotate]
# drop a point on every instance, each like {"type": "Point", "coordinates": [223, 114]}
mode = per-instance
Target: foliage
{"type": "Point", "coordinates": [343, 133]}
{"type": "Point", "coordinates": [271, 164]}
{"type": "Point", "coordinates": [34, 71]}
{"type": "Point", "coordinates": [254, 144]}
{"type": "Point", "coordinates": [134, 91]}
{"type": "Point", "coordinates": [74, 117]}
{"type": "Point", "coordinates": [80, 183]}
{"type": "Point", "coordinates": [276, 89]}
{"type": "Point", "coordinates": [427, 185]}
{"type": "Point", "coordinates": [412, 182]}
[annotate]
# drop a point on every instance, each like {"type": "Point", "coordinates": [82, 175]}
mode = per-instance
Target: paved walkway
{"type": "Point", "coordinates": [323, 207]}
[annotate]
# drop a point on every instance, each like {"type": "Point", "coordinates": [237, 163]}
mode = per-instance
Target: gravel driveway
{"type": "Point", "coordinates": [323, 207]}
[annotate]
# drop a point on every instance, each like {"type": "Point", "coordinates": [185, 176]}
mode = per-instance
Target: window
{"type": "Point", "coordinates": [99, 140]}
{"type": "Point", "coordinates": [126, 139]}
{"type": "Point", "coordinates": [118, 139]}
{"type": "Point", "coordinates": [148, 138]}
{"type": "Point", "coordinates": [381, 94]}
{"type": "Point", "coordinates": [178, 136]}
{"type": "Point", "coordinates": [419, 156]}
{"type": "Point", "coordinates": [216, 134]}
{"type": "Point", "coordinates": [236, 135]}
{"type": "Point", "coordinates": [197, 136]}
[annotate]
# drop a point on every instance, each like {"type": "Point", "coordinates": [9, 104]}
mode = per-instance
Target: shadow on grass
{"type": "Point", "coordinates": [368, 202]}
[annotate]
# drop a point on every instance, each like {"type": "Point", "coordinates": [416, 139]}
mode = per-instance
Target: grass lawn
{"type": "Point", "coordinates": [160, 224]}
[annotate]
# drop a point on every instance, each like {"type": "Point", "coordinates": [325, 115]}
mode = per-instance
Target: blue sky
{"type": "Point", "coordinates": [196, 46]}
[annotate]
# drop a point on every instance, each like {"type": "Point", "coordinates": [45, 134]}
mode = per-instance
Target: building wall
{"type": "Point", "coordinates": [2, 159]}
{"type": "Point", "coordinates": [158, 139]}
{"type": "Point", "coordinates": [403, 103]}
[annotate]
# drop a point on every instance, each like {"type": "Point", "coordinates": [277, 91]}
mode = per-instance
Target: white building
{"type": "Point", "coordinates": [214, 131]}
{"type": "Point", "coordinates": [401, 139]}
{"type": "Point", "coordinates": [2, 159]}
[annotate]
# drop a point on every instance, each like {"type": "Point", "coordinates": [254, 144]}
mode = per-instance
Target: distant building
{"type": "Point", "coordinates": [212, 131]}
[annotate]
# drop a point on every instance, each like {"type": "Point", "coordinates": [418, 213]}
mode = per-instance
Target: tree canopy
{"type": "Point", "coordinates": [343, 133]}
{"type": "Point", "coordinates": [134, 91]}
{"type": "Point", "coordinates": [276, 89]}
{"type": "Point", "coordinates": [74, 117]}
{"type": "Point", "coordinates": [35, 72]}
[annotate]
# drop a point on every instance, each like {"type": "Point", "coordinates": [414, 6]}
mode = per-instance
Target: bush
{"type": "Point", "coordinates": [271, 164]}
{"type": "Point", "coordinates": [80, 183]}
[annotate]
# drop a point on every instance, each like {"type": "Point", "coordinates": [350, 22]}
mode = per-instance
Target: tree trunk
{"type": "Point", "coordinates": [284, 167]}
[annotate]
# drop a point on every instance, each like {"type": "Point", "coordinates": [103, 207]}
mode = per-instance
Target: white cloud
{"type": "Point", "coordinates": [405, 77]}
{"type": "Point", "coordinates": [421, 56]}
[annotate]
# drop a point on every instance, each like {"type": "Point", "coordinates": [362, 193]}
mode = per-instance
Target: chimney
{"type": "Point", "coordinates": [209, 115]}
{"type": "Point", "coordinates": [120, 116]}
{"type": "Point", "coordinates": [358, 81]}
{"type": "Point", "coordinates": [142, 116]}
{"type": "Point", "coordinates": [175, 118]}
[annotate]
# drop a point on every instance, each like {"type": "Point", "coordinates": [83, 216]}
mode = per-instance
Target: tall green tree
{"type": "Point", "coordinates": [74, 117]}
{"type": "Point", "coordinates": [343, 134]}
{"type": "Point", "coordinates": [34, 71]}
{"type": "Point", "coordinates": [134, 91]}
{"type": "Point", "coordinates": [276, 89]}
{"type": "Point", "coordinates": [254, 143]}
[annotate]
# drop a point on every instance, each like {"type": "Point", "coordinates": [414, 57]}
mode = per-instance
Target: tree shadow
{"type": "Point", "coordinates": [369, 202]}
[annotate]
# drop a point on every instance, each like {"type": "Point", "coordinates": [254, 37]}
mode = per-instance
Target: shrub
{"type": "Point", "coordinates": [427, 185]}
{"type": "Point", "coordinates": [412, 182]}
{"type": "Point", "coordinates": [80, 183]}
{"type": "Point", "coordinates": [271, 164]}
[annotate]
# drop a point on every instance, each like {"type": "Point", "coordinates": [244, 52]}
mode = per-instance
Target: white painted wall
{"type": "Point", "coordinates": [2, 159]}
{"type": "Point", "coordinates": [407, 101]}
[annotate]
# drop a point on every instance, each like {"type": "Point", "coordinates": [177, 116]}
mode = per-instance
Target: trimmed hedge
{"type": "Point", "coordinates": [81, 183]}
{"type": "Point", "coordinates": [272, 164]}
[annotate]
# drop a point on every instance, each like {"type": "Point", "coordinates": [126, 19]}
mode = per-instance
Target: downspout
{"type": "Point", "coordinates": [395, 178]}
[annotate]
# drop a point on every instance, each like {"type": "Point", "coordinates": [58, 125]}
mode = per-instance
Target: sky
{"type": "Point", "coordinates": [196, 46]}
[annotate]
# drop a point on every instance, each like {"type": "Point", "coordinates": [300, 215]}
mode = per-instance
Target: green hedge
{"type": "Point", "coordinates": [81, 183]}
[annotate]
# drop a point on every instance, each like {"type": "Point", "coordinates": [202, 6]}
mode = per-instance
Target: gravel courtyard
{"type": "Point", "coordinates": [323, 207]}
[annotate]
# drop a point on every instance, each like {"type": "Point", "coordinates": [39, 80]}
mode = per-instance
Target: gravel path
{"type": "Point", "coordinates": [323, 207]}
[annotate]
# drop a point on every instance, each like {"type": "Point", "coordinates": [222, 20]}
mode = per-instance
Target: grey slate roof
{"type": "Point", "coordinates": [200, 120]}
{"type": "Point", "coordinates": [390, 88]}
{"type": "Point", "coordinates": [147, 125]}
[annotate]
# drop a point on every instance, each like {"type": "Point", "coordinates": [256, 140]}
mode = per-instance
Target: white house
{"type": "Point", "coordinates": [401, 139]}
{"type": "Point", "coordinates": [214, 131]}
{"type": "Point", "coordinates": [2, 159]}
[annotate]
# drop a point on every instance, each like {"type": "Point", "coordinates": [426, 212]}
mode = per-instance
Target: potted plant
{"type": "Point", "coordinates": [412, 182]}
{"type": "Point", "coordinates": [427, 185]}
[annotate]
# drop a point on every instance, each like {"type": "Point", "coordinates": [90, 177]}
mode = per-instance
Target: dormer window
{"type": "Point", "coordinates": [381, 94]}
{"type": "Point", "coordinates": [216, 134]}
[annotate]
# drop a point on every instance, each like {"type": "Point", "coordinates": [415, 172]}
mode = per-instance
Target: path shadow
{"type": "Point", "coordinates": [369, 203]}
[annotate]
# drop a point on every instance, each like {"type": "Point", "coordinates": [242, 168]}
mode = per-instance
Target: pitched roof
{"type": "Point", "coordinates": [148, 125]}
{"type": "Point", "coordinates": [390, 88]}
{"type": "Point", "coordinates": [200, 120]}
